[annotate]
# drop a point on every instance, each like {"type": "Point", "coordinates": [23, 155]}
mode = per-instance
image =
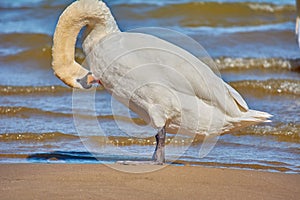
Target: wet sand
{"type": "Point", "coordinates": [96, 181]}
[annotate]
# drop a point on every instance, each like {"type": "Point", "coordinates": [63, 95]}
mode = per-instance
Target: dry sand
{"type": "Point", "coordinates": [96, 181]}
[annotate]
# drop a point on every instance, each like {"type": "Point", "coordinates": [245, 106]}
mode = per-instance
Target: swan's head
{"type": "Point", "coordinates": [92, 13]}
{"type": "Point", "coordinates": [75, 76]}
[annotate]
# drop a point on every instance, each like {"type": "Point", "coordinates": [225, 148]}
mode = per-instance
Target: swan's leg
{"type": "Point", "coordinates": [159, 153]}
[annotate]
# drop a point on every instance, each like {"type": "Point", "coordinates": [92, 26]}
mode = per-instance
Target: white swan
{"type": "Point", "coordinates": [187, 100]}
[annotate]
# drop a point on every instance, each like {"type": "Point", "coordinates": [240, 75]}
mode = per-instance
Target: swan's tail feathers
{"type": "Point", "coordinates": [256, 116]}
{"type": "Point", "coordinates": [251, 117]}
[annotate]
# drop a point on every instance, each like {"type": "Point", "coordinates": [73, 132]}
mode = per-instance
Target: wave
{"type": "Point", "coordinates": [280, 30]}
{"type": "Point", "coordinates": [269, 7]}
{"type": "Point", "coordinates": [42, 55]}
{"type": "Point", "coordinates": [25, 4]}
{"type": "Point", "coordinates": [25, 39]}
{"type": "Point", "coordinates": [226, 63]}
{"type": "Point", "coordinates": [38, 55]}
{"type": "Point", "coordinates": [35, 47]}
{"type": "Point", "coordinates": [27, 112]}
{"type": "Point", "coordinates": [101, 140]}
{"type": "Point", "coordinates": [111, 140]}
{"type": "Point", "coordinates": [187, 13]}
{"type": "Point", "coordinates": [283, 168]}
{"type": "Point", "coordinates": [271, 86]}
{"type": "Point", "coordinates": [195, 14]}
{"type": "Point", "coordinates": [19, 42]}
{"type": "Point", "coordinates": [283, 132]}
{"type": "Point", "coordinates": [264, 4]}
{"type": "Point", "coordinates": [288, 132]}
{"type": "Point", "coordinates": [22, 47]}
{"type": "Point", "coordinates": [33, 137]}
{"type": "Point", "coordinates": [167, 2]}
{"type": "Point", "coordinates": [29, 90]}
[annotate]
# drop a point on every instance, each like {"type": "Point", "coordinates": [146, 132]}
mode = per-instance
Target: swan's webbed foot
{"type": "Point", "coordinates": [158, 157]}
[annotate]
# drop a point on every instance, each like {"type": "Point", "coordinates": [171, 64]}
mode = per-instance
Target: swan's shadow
{"type": "Point", "coordinates": [79, 157]}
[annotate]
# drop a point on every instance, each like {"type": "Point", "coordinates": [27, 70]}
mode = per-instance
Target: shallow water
{"type": "Point", "coordinates": [252, 42]}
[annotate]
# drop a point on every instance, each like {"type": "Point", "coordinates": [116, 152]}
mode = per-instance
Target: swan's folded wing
{"type": "Point", "coordinates": [237, 97]}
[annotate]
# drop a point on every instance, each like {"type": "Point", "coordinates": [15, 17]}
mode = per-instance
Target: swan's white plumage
{"type": "Point", "coordinates": [189, 95]}
{"type": "Point", "coordinates": [189, 98]}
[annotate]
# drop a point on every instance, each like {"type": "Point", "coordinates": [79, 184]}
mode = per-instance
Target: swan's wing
{"type": "Point", "coordinates": [129, 55]}
{"type": "Point", "coordinates": [183, 41]}
{"type": "Point", "coordinates": [237, 97]}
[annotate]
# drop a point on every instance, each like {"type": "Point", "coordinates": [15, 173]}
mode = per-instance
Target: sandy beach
{"type": "Point", "coordinates": [253, 45]}
{"type": "Point", "coordinates": [96, 181]}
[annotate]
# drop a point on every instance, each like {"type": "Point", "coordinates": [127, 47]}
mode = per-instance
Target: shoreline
{"type": "Point", "coordinates": [99, 181]}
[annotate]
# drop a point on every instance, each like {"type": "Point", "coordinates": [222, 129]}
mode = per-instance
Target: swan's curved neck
{"type": "Point", "coordinates": [93, 13]}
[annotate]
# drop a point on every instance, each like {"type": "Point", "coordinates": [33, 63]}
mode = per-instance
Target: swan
{"type": "Point", "coordinates": [187, 100]}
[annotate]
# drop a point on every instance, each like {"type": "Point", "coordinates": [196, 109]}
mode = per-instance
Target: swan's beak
{"type": "Point", "coordinates": [88, 81]}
